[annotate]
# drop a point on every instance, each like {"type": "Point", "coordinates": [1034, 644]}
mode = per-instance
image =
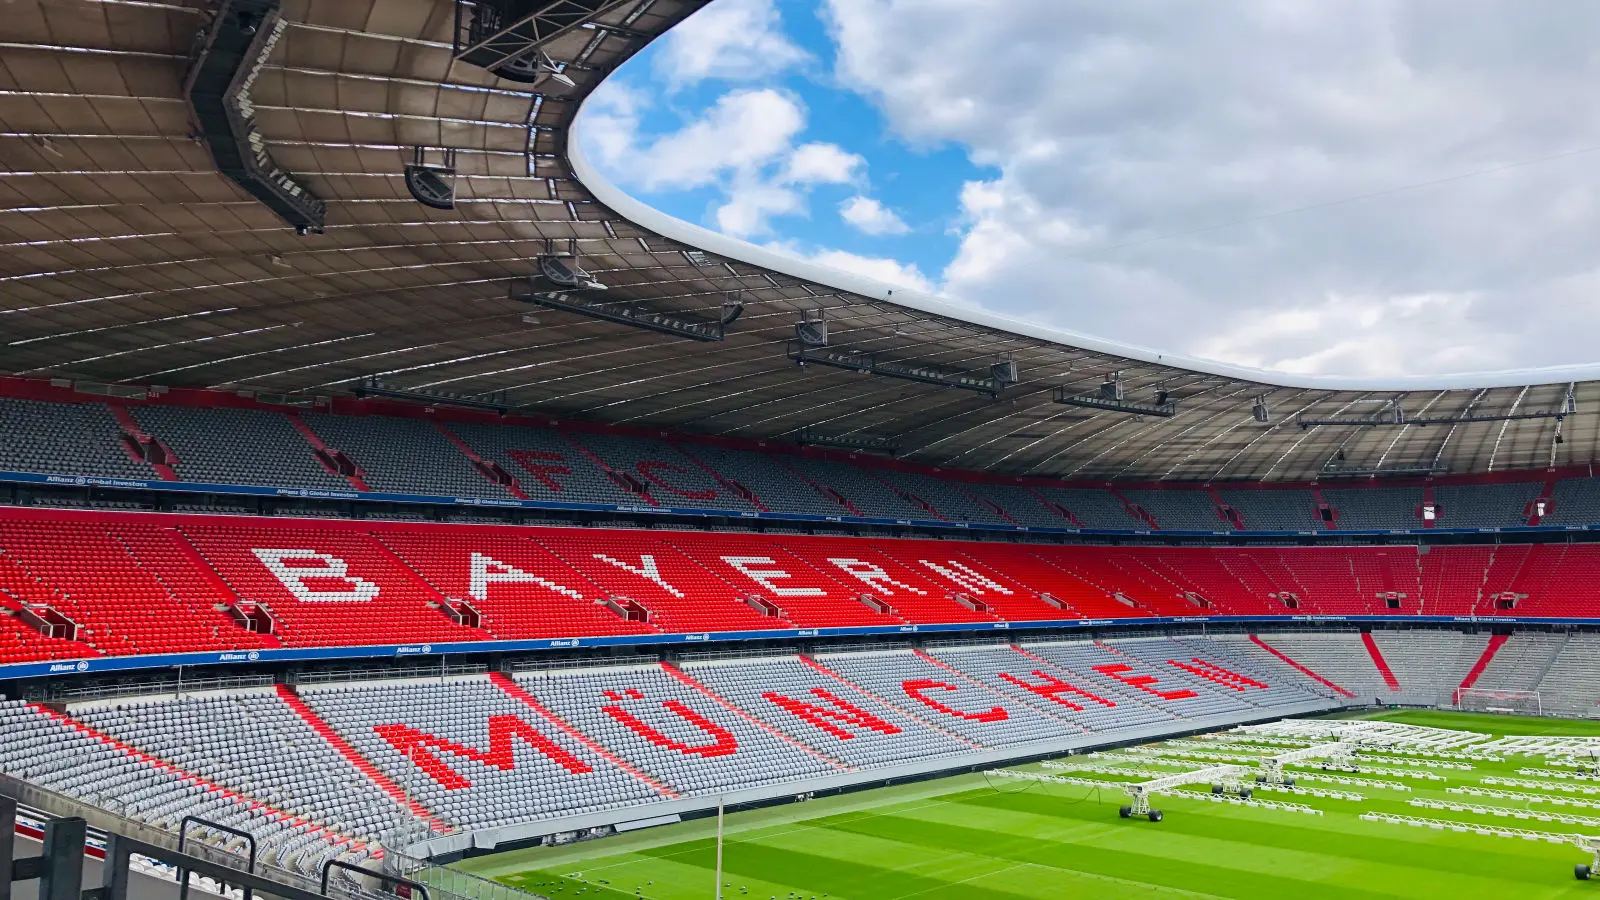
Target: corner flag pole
{"type": "Point", "coordinates": [719, 849]}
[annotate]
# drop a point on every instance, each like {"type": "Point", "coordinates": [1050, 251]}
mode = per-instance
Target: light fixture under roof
{"type": "Point", "coordinates": [372, 386]}
{"type": "Point", "coordinates": [1113, 397]}
{"type": "Point", "coordinates": [871, 364]}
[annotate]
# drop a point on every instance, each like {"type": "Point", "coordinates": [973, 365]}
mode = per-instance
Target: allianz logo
{"type": "Point", "coordinates": [567, 642]}
{"type": "Point", "coordinates": [252, 656]}
{"type": "Point", "coordinates": [697, 637]}
{"type": "Point", "coordinates": [413, 649]}
{"type": "Point", "coordinates": [908, 628]}
{"type": "Point", "coordinates": [80, 666]}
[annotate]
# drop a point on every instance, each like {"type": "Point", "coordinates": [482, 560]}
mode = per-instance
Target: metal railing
{"type": "Point", "coordinates": [445, 883]}
{"type": "Point", "coordinates": [16, 791]}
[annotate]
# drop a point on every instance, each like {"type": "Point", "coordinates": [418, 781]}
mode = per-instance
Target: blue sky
{"type": "Point", "coordinates": [902, 195]}
{"type": "Point", "coordinates": [1373, 187]}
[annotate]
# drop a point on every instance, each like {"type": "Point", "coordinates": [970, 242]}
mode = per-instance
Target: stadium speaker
{"type": "Point", "coordinates": [1581, 871]}
{"type": "Point", "coordinates": [812, 333]}
{"type": "Point", "coordinates": [1004, 372]}
{"type": "Point", "coordinates": [1261, 779]}
{"type": "Point", "coordinates": [556, 271]}
{"type": "Point", "coordinates": [1245, 793]}
{"type": "Point", "coordinates": [1125, 811]}
{"type": "Point", "coordinates": [532, 67]}
{"type": "Point", "coordinates": [429, 187]}
{"type": "Point", "coordinates": [1259, 410]}
{"type": "Point", "coordinates": [1288, 782]}
{"type": "Point", "coordinates": [1155, 815]}
{"type": "Point", "coordinates": [1216, 789]}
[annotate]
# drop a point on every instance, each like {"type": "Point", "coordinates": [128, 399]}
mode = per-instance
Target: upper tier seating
{"type": "Point", "coordinates": [1021, 505]}
{"type": "Point", "coordinates": [546, 465]}
{"type": "Point", "coordinates": [1180, 510]}
{"type": "Point", "coordinates": [1274, 510]}
{"type": "Point", "coordinates": [950, 499]}
{"type": "Point", "coordinates": [237, 446]}
{"type": "Point", "coordinates": [65, 439]}
{"type": "Point", "coordinates": [1485, 505]}
{"type": "Point", "coordinates": [1093, 509]}
{"type": "Point", "coordinates": [593, 465]}
{"type": "Point", "coordinates": [403, 456]}
{"type": "Point", "coordinates": [667, 476]}
{"type": "Point", "coordinates": [1574, 501]}
{"type": "Point", "coordinates": [1375, 509]}
{"type": "Point", "coordinates": [768, 479]}
{"type": "Point", "coordinates": [863, 489]}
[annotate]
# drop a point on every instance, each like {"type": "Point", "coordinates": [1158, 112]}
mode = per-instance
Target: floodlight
{"type": "Point", "coordinates": [620, 310]}
{"type": "Point", "coordinates": [869, 364]}
{"type": "Point", "coordinates": [1111, 398]}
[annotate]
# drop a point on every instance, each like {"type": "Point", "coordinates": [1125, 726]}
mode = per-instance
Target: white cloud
{"type": "Point", "coordinates": [731, 39]}
{"type": "Point", "coordinates": [871, 217]}
{"type": "Point", "coordinates": [889, 271]}
{"type": "Point", "coordinates": [751, 202]}
{"type": "Point", "coordinates": [1166, 174]}
{"type": "Point", "coordinates": [818, 163]}
{"type": "Point", "coordinates": [745, 129]}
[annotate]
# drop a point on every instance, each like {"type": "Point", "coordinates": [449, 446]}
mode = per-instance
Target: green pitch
{"type": "Point", "coordinates": [964, 837]}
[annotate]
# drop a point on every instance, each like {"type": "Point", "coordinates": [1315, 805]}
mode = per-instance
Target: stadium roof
{"type": "Point", "coordinates": [129, 257]}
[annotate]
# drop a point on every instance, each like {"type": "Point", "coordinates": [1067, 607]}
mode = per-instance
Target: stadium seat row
{"type": "Point", "coordinates": [323, 451]}
{"type": "Point", "coordinates": [83, 583]}
{"type": "Point", "coordinates": [329, 769]}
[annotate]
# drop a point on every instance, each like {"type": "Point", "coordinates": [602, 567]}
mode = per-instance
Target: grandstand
{"type": "Point", "coordinates": [337, 549]}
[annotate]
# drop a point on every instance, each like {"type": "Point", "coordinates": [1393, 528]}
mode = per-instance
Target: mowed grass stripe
{"type": "Point", "coordinates": [821, 873]}
{"type": "Point", "coordinates": [1338, 835]}
{"type": "Point", "coordinates": [1151, 865]}
{"type": "Point", "coordinates": [1000, 841]}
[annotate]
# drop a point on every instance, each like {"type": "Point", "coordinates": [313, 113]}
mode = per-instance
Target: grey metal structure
{"type": "Point", "coordinates": [131, 258]}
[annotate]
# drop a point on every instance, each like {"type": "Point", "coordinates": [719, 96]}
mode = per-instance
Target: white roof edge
{"type": "Point", "coordinates": [710, 241]}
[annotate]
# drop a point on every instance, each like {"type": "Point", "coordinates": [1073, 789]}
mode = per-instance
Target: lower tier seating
{"type": "Point", "coordinates": [328, 769]}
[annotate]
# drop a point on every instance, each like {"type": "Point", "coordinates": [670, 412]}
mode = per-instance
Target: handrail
{"type": "Point", "coordinates": [330, 865]}
{"type": "Point", "coordinates": [183, 836]}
